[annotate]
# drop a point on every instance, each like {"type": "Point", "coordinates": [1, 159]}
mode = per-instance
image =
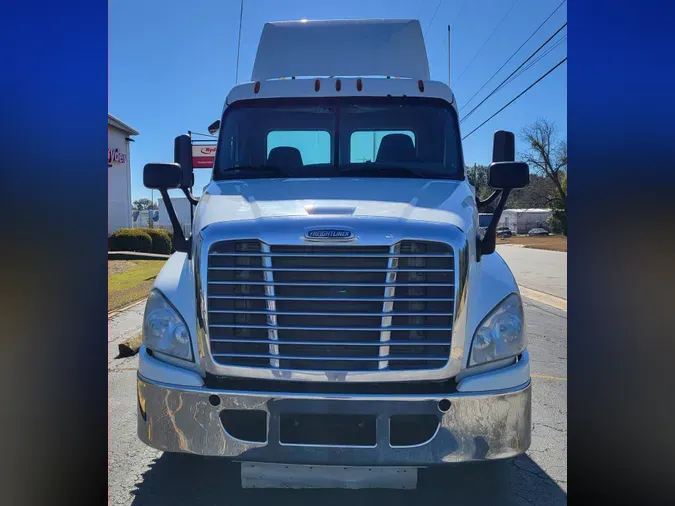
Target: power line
{"type": "Point", "coordinates": [514, 54]}
{"type": "Point", "coordinates": [517, 97]}
{"type": "Point", "coordinates": [515, 74]}
{"type": "Point", "coordinates": [537, 60]}
{"type": "Point", "coordinates": [512, 73]}
{"type": "Point", "coordinates": [488, 39]}
{"type": "Point", "coordinates": [432, 17]}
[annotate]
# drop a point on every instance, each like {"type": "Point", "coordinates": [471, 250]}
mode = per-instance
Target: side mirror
{"type": "Point", "coordinates": [214, 127]}
{"type": "Point", "coordinates": [505, 174]}
{"type": "Point", "coordinates": [509, 175]}
{"type": "Point", "coordinates": [162, 176]}
{"type": "Point", "coordinates": [503, 146]}
{"type": "Point", "coordinates": [182, 155]}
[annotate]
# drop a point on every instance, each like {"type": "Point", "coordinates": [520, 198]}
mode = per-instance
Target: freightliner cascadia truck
{"type": "Point", "coordinates": [333, 308]}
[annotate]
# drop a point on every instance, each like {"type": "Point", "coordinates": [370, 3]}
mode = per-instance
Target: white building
{"type": "Point", "coordinates": [521, 221]}
{"type": "Point", "coordinates": [119, 174]}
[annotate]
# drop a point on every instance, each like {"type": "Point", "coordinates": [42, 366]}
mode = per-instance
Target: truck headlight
{"type": "Point", "coordinates": [164, 330]}
{"type": "Point", "coordinates": [501, 334]}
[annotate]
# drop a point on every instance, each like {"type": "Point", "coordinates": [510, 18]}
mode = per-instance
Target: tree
{"type": "Point", "coordinates": [538, 194]}
{"type": "Point", "coordinates": [478, 178]}
{"type": "Point", "coordinates": [547, 157]}
{"type": "Point", "coordinates": [557, 222]}
{"type": "Point", "coordinates": [144, 204]}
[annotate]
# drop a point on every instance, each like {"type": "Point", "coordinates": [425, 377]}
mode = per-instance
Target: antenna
{"type": "Point", "coordinates": [448, 55]}
{"type": "Point", "coordinates": [241, 16]}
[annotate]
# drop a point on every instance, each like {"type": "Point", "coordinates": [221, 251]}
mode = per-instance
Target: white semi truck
{"type": "Point", "coordinates": [334, 304]}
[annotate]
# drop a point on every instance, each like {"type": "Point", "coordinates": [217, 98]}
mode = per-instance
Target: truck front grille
{"type": "Point", "coordinates": [331, 308]}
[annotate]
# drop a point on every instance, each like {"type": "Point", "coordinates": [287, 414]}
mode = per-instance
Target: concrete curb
{"type": "Point", "coordinates": [544, 298]}
{"type": "Point", "coordinates": [133, 304]}
{"type": "Point", "coordinates": [134, 255]}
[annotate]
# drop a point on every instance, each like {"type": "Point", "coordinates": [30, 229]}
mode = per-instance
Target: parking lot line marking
{"type": "Point", "coordinates": [546, 376]}
{"type": "Point", "coordinates": [544, 298]}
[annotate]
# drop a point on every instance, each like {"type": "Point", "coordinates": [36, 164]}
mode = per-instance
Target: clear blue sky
{"type": "Point", "coordinates": [171, 63]}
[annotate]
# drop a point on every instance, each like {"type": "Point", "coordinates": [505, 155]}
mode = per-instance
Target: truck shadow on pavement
{"type": "Point", "coordinates": [179, 479]}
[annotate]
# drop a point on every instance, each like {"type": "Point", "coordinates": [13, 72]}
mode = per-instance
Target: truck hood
{"type": "Point", "coordinates": [443, 201]}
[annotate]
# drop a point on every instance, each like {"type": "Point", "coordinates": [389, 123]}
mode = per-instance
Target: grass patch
{"type": "Point", "coordinates": [550, 242]}
{"type": "Point", "coordinates": [130, 281]}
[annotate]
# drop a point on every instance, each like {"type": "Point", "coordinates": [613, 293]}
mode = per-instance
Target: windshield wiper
{"type": "Point", "coordinates": [388, 171]}
{"type": "Point", "coordinates": [254, 172]}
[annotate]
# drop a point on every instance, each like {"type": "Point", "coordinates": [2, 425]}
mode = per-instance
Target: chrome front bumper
{"type": "Point", "coordinates": [477, 426]}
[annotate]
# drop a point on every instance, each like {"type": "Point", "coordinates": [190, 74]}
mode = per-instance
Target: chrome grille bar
{"type": "Point", "coordinates": [331, 255]}
{"type": "Point", "coordinates": [337, 269]}
{"type": "Point", "coordinates": [341, 359]}
{"type": "Point", "coordinates": [325, 313]}
{"type": "Point", "coordinates": [337, 299]}
{"type": "Point", "coordinates": [384, 328]}
{"type": "Point", "coordinates": [391, 274]}
{"type": "Point", "coordinates": [332, 343]}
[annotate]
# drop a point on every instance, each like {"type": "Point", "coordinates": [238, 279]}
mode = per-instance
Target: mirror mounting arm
{"type": "Point", "coordinates": [181, 243]}
{"type": "Point", "coordinates": [487, 201]}
{"type": "Point", "coordinates": [188, 195]}
{"type": "Point", "coordinates": [487, 245]}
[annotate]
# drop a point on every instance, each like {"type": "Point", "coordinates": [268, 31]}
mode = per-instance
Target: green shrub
{"type": "Point", "coordinates": [173, 244]}
{"type": "Point", "coordinates": [161, 240]}
{"type": "Point", "coordinates": [557, 221]}
{"type": "Point", "coordinates": [130, 239]}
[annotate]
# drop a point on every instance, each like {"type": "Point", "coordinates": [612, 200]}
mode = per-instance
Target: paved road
{"type": "Point", "coordinates": [544, 271]}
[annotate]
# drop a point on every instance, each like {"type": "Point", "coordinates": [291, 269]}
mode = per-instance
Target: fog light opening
{"type": "Point", "coordinates": [444, 405]}
{"type": "Point", "coordinates": [412, 430]}
{"type": "Point", "coordinates": [214, 400]}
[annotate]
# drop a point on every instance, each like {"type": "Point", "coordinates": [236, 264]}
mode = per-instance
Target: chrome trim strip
{"type": "Point", "coordinates": [388, 305]}
{"type": "Point", "coordinates": [270, 304]}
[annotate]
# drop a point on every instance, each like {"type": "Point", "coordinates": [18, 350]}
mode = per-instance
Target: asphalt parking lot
{"type": "Point", "coordinates": [139, 475]}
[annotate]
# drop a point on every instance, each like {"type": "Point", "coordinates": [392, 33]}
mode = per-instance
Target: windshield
{"type": "Point", "coordinates": [370, 137]}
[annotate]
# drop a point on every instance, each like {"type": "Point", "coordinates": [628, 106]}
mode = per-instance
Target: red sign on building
{"type": "Point", "coordinates": [115, 156]}
{"type": "Point", "coordinates": [203, 156]}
